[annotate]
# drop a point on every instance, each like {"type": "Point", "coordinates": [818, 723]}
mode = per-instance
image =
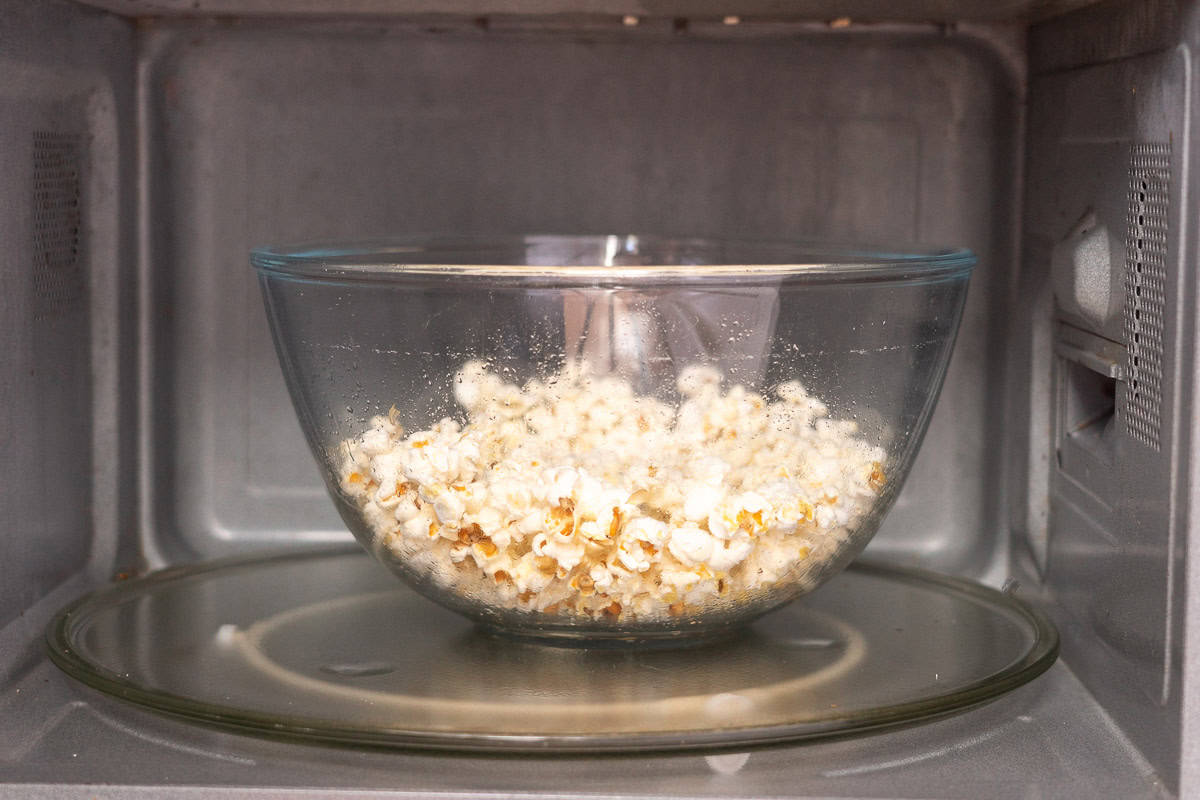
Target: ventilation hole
{"type": "Point", "coordinates": [1145, 268]}
{"type": "Point", "coordinates": [58, 278]}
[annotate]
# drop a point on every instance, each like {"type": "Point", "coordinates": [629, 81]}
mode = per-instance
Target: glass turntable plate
{"type": "Point", "coordinates": [328, 646]}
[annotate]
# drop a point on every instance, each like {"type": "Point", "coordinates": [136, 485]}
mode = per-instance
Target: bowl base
{"type": "Point", "coordinates": [616, 640]}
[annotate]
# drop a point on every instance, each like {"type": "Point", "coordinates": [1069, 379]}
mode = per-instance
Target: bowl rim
{"type": "Point", "coordinates": [394, 258]}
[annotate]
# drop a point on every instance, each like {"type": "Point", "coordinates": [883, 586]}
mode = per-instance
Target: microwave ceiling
{"type": "Point", "coordinates": [840, 13]}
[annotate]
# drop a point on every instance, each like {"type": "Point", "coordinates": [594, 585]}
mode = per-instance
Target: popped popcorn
{"type": "Point", "coordinates": [576, 496]}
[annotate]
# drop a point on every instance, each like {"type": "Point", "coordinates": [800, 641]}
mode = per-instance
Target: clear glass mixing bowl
{"type": "Point", "coordinates": [612, 437]}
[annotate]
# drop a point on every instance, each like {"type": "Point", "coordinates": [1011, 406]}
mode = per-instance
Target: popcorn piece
{"type": "Point", "coordinates": [634, 555]}
{"type": "Point", "coordinates": [376, 442]}
{"type": "Point", "coordinates": [697, 379]}
{"type": "Point", "coordinates": [699, 503]}
{"type": "Point", "coordinates": [449, 507]}
{"type": "Point", "coordinates": [691, 546]}
{"type": "Point", "coordinates": [575, 496]}
{"type": "Point", "coordinates": [648, 530]}
{"type": "Point", "coordinates": [729, 553]}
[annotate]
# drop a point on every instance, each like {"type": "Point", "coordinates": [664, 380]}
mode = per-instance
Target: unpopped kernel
{"type": "Point", "coordinates": [576, 496]}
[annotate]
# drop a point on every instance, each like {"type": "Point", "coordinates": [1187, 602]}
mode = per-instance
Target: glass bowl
{"type": "Point", "coordinates": [584, 438]}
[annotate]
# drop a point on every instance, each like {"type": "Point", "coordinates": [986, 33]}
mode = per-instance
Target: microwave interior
{"type": "Point", "coordinates": [147, 145]}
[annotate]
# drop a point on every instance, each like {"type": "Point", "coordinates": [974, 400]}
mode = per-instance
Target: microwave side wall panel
{"type": "Point", "coordinates": [67, 215]}
{"type": "Point", "coordinates": [1107, 339]}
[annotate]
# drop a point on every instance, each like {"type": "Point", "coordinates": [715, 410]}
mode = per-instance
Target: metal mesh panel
{"type": "Point", "coordinates": [58, 279]}
{"type": "Point", "coordinates": [1145, 284]}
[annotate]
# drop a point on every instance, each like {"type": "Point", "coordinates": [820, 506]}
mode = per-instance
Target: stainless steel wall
{"type": "Point", "coordinates": [263, 132]}
{"type": "Point", "coordinates": [66, 220]}
{"type": "Point", "coordinates": [1106, 331]}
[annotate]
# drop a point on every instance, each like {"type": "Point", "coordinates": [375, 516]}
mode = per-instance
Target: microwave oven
{"type": "Point", "coordinates": [147, 145]}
